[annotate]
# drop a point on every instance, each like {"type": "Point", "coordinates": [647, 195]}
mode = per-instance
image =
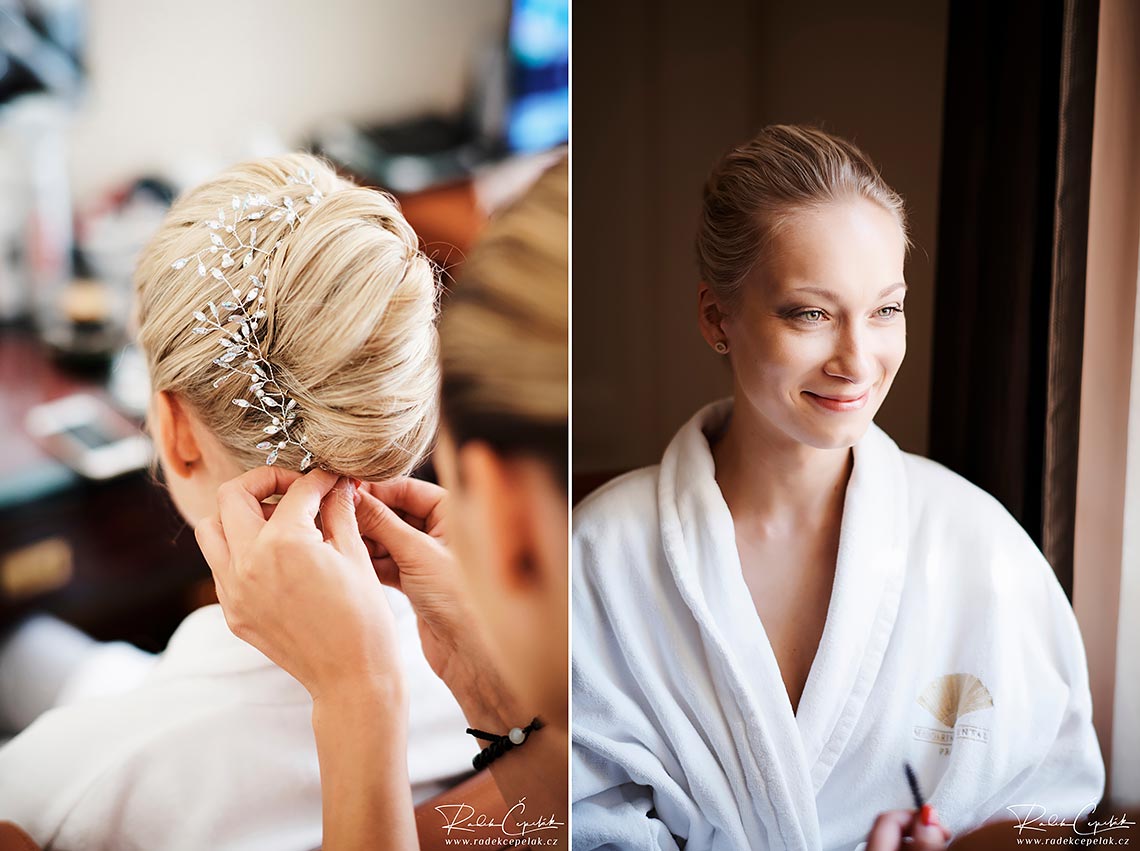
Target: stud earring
{"type": "Point", "coordinates": [721, 347]}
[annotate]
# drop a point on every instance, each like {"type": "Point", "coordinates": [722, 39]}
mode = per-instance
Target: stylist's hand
{"type": "Point", "coordinates": [306, 597]}
{"type": "Point", "coordinates": [403, 523]}
{"type": "Point", "coordinates": [921, 826]}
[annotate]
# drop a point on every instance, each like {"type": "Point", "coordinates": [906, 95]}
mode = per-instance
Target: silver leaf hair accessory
{"type": "Point", "coordinates": [244, 309]}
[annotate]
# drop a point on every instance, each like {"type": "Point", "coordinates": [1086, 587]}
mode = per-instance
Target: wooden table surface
{"type": "Point", "coordinates": [133, 570]}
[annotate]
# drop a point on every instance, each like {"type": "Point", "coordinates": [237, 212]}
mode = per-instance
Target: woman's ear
{"type": "Point", "coordinates": [710, 316]}
{"type": "Point", "coordinates": [173, 435]}
{"type": "Point", "coordinates": [506, 527]}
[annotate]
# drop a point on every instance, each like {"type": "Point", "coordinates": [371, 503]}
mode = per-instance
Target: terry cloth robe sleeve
{"type": "Point", "coordinates": [658, 762]}
{"type": "Point", "coordinates": [948, 643]}
{"type": "Point", "coordinates": [1071, 775]}
{"type": "Point", "coordinates": [618, 776]}
{"type": "Point", "coordinates": [1042, 745]}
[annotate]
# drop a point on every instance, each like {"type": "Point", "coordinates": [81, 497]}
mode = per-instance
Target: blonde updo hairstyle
{"type": "Point", "coordinates": [350, 330]}
{"type": "Point", "coordinates": [506, 329]}
{"type": "Point", "coordinates": [756, 190]}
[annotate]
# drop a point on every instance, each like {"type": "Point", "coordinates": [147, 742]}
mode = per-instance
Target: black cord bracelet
{"type": "Point", "coordinates": [501, 744]}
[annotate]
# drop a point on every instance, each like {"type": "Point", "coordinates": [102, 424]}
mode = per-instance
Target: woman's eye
{"type": "Point", "coordinates": [810, 315]}
{"type": "Point", "coordinates": [889, 311]}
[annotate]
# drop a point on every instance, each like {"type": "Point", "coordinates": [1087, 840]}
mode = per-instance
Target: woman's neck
{"type": "Point", "coordinates": [774, 484]}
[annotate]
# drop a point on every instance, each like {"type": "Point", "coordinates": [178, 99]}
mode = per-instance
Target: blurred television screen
{"type": "Point", "coordinates": [538, 116]}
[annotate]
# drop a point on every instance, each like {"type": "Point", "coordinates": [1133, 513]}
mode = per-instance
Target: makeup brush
{"type": "Point", "coordinates": [912, 781]}
{"type": "Point", "coordinates": [926, 812]}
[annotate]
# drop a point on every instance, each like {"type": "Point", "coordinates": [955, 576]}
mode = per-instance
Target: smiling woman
{"type": "Point", "coordinates": [787, 610]}
{"type": "Point", "coordinates": [799, 348]}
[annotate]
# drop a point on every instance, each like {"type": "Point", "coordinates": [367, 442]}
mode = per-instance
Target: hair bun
{"type": "Point", "coordinates": [351, 309]}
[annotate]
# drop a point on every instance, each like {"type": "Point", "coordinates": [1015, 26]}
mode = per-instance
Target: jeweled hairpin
{"type": "Point", "coordinates": [244, 310]}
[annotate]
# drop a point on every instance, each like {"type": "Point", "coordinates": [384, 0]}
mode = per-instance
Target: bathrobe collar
{"type": "Point", "coordinates": [796, 752]}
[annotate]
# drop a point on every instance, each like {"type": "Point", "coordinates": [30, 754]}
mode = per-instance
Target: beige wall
{"type": "Point", "coordinates": [197, 85]}
{"type": "Point", "coordinates": [669, 87]}
{"type": "Point", "coordinates": [1106, 559]}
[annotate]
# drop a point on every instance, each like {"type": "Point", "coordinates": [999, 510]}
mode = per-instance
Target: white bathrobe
{"type": "Point", "coordinates": [207, 747]}
{"type": "Point", "coordinates": [948, 643]}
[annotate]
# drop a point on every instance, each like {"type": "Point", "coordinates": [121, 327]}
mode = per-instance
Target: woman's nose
{"type": "Point", "coordinates": [851, 358]}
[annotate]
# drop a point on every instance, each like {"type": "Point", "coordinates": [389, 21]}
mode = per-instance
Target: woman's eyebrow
{"type": "Point", "coordinates": [825, 293]}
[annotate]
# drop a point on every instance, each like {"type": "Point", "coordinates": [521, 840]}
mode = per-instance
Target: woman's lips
{"type": "Point", "coordinates": [839, 404]}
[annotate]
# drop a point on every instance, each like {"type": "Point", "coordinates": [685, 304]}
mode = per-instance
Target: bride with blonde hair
{"type": "Point", "coordinates": [484, 563]}
{"type": "Point", "coordinates": [287, 317]}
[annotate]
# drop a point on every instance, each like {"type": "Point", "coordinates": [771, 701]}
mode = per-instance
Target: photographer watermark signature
{"type": "Point", "coordinates": [463, 818]}
{"type": "Point", "coordinates": [1034, 817]}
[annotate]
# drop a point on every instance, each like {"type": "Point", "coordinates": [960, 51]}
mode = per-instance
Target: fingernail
{"type": "Point", "coordinates": [351, 485]}
{"type": "Point", "coordinates": [928, 815]}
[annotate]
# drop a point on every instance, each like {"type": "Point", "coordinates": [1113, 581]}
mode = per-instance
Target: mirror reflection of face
{"type": "Point", "coordinates": [819, 331]}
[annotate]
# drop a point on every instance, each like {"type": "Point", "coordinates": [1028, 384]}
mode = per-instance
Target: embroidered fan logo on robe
{"type": "Point", "coordinates": [950, 697]}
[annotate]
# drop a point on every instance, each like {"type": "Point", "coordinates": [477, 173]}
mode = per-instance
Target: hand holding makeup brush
{"type": "Point", "coordinates": [921, 826]}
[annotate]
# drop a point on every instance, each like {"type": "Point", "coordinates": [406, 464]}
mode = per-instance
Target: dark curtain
{"type": "Point", "coordinates": [1012, 241]}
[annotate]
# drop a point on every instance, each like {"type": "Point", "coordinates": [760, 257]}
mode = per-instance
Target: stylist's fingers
{"type": "Point", "coordinates": [338, 520]}
{"type": "Point", "coordinates": [387, 572]}
{"type": "Point", "coordinates": [302, 501]}
{"type": "Point", "coordinates": [239, 501]}
{"type": "Point", "coordinates": [375, 548]}
{"type": "Point", "coordinates": [212, 542]}
{"type": "Point", "coordinates": [420, 503]}
{"type": "Point", "coordinates": [406, 546]}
